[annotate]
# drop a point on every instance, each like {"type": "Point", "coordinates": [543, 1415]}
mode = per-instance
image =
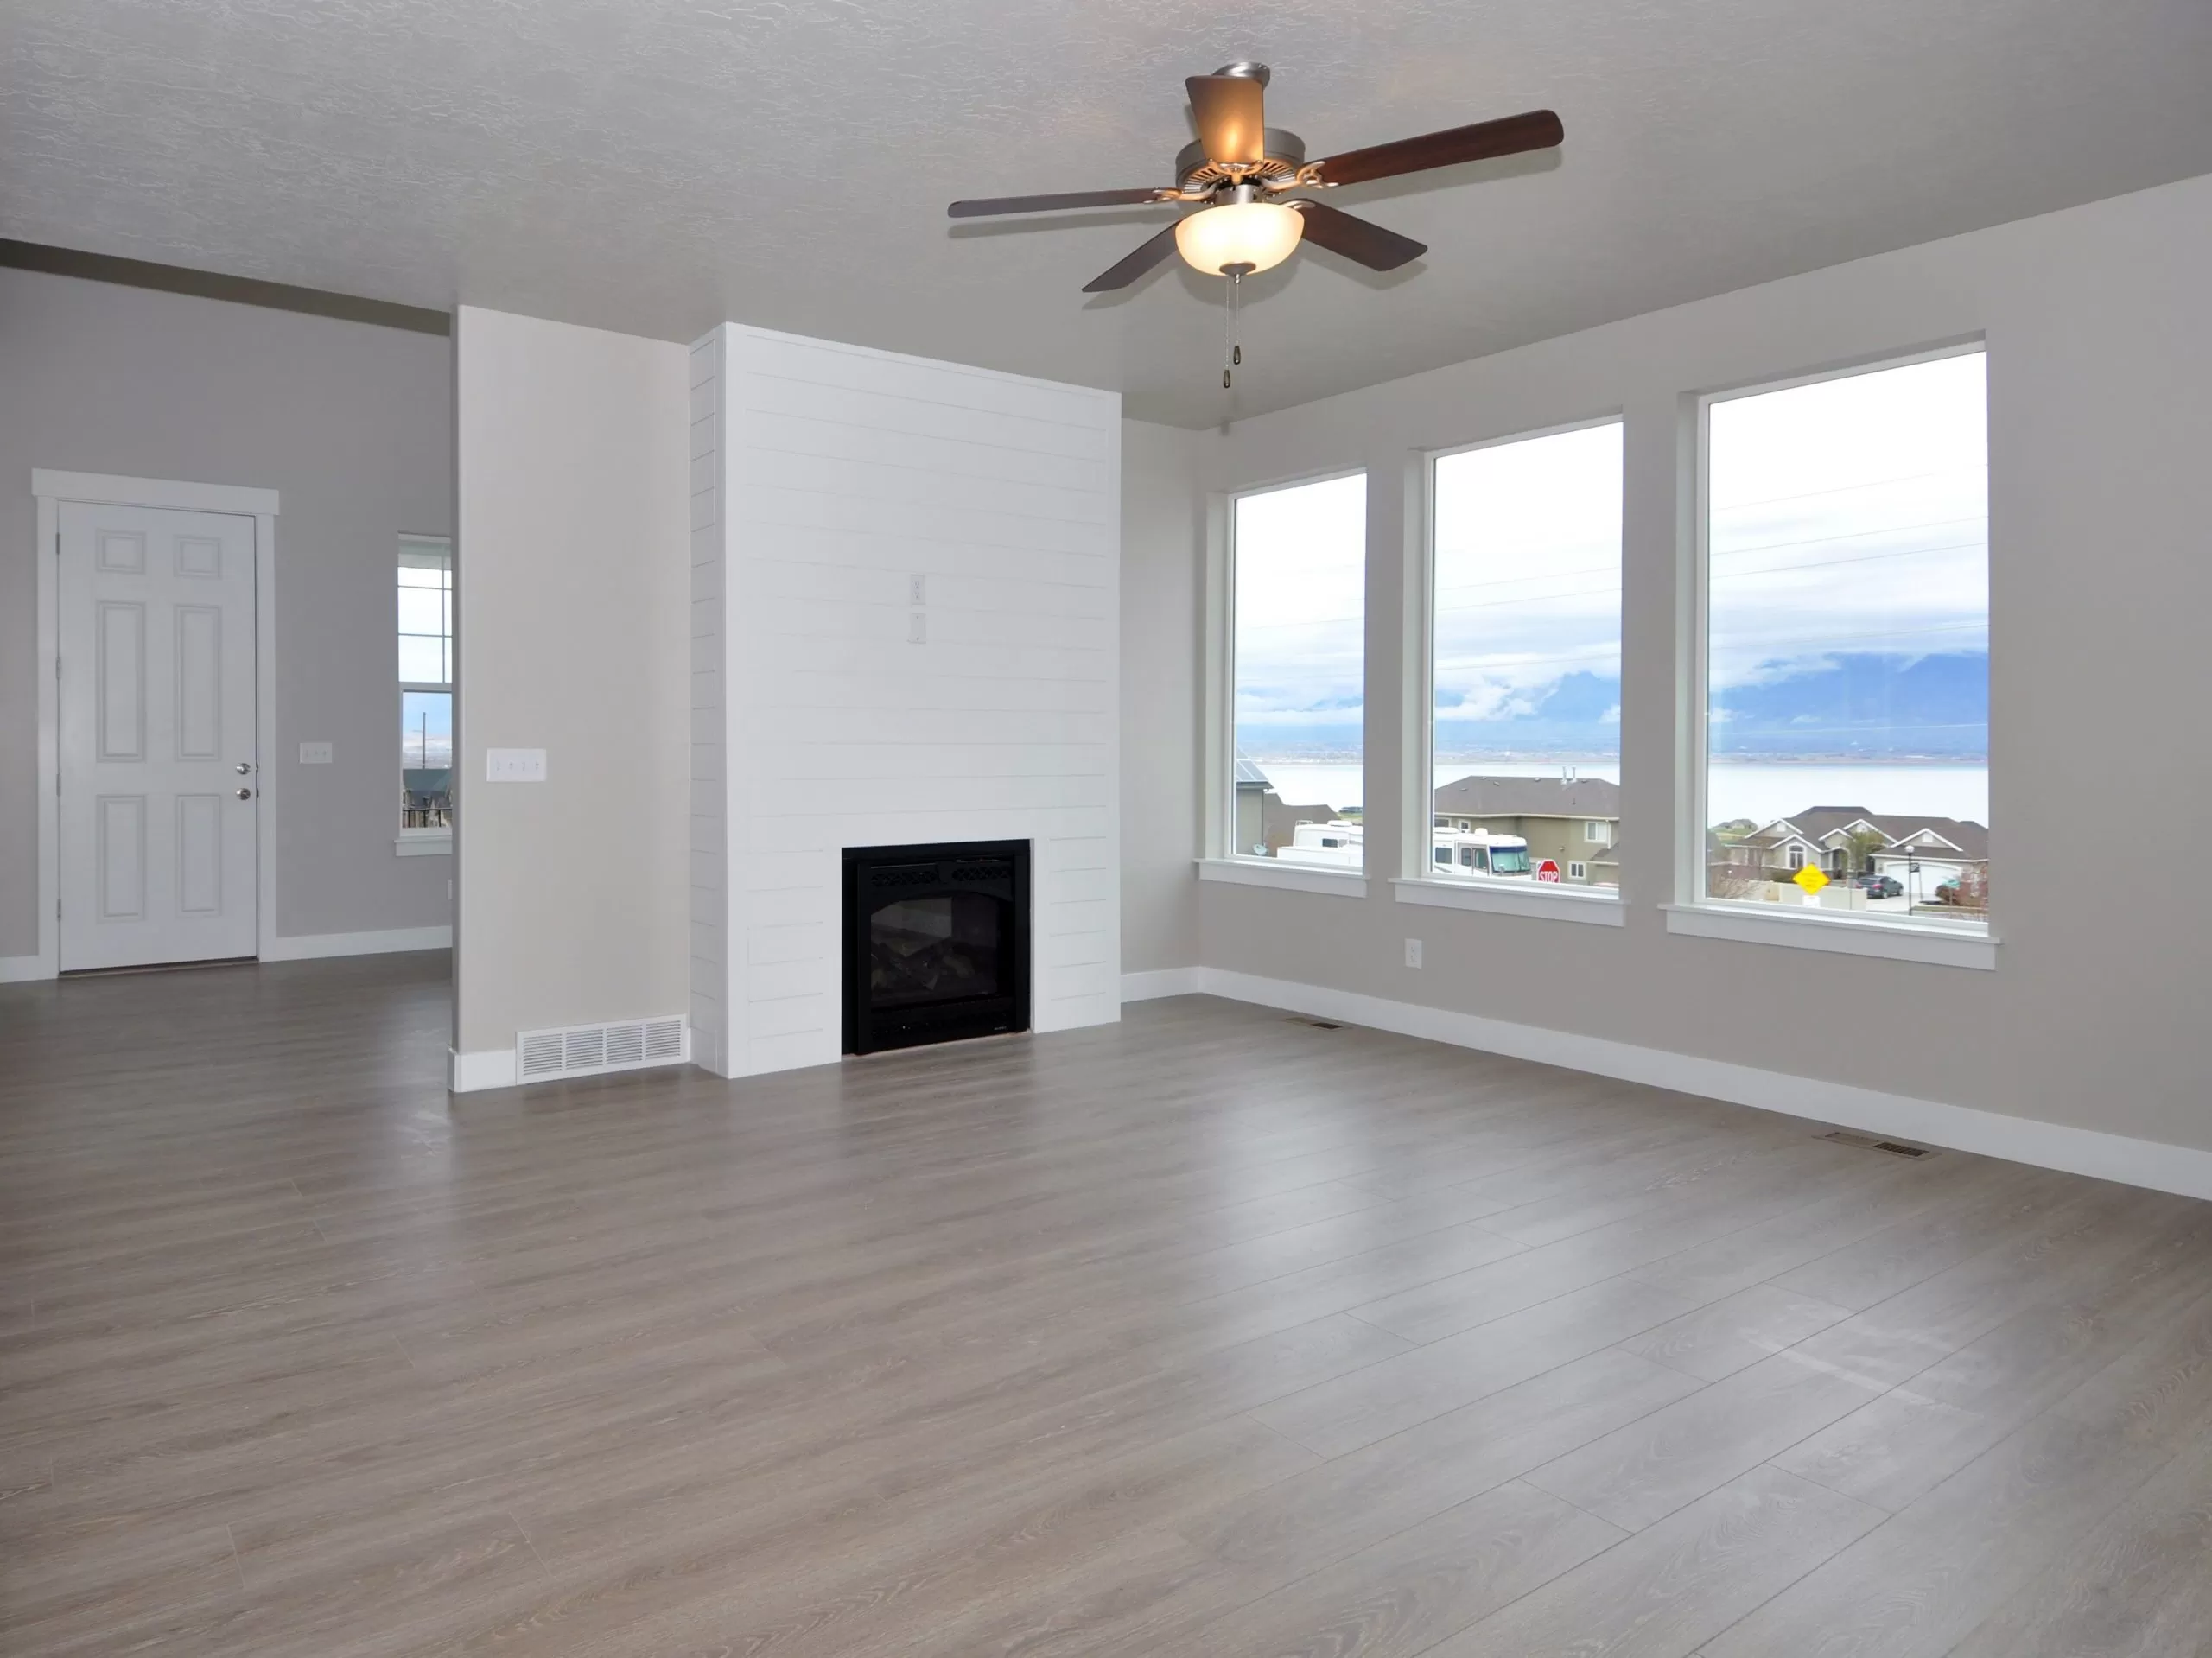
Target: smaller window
{"type": "Point", "coordinates": [1796, 857]}
{"type": "Point", "coordinates": [1444, 855]}
{"type": "Point", "coordinates": [1598, 832]}
{"type": "Point", "coordinates": [425, 635]}
{"type": "Point", "coordinates": [1577, 871]}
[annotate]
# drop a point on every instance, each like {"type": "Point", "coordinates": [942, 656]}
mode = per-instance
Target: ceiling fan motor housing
{"type": "Point", "coordinates": [1286, 154]}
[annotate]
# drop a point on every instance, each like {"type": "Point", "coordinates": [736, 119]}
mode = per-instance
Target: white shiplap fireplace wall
{"type": "Point", "coordinates": [826, 480]}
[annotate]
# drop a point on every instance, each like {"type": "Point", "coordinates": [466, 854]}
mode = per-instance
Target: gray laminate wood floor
{"type": "Point", "coordinates": [1213, 1333]}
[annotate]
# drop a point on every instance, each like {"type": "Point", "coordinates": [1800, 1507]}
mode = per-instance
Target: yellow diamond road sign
{"type": "Point", "coordinates": [1811, 878]}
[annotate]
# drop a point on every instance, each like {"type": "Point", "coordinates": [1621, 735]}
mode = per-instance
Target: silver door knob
{"type": "Point", "coordinates": [245, 794]}
{"type": "Point", "coordinates": [243, 767]}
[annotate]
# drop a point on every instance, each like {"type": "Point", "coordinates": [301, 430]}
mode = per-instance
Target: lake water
{"type": "Point", "coordinates": [1760, 791]}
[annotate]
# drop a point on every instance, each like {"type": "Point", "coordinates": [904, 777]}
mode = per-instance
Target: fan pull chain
{"type": "Point", "coordinates": [1233, 354]}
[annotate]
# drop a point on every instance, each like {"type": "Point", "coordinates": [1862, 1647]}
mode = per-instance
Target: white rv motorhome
{"type": "Point", "coordinates": [1472, 853]}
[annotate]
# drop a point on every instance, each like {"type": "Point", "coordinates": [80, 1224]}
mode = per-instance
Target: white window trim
{"type": "Point", "coordinates": [1693, 913]}
{"type": "Point", "coordinates": [1539, 900]}
{"type": "Point", "coordinates": [1218, 809]}
{"type": "Point", "coordinates": [1577, 869]}
{"type": "Point", "coordinates": [1935, 943]}
{"type": "Point", "coordinates": [1418, 642]}
{"type": "Point", "coordinates": [1284, 877]}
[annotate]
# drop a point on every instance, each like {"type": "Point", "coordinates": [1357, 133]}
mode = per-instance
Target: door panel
{"type": "Point", "coordinates": [122, 854]}
{"type": "Point", "coordinates": [200, 854]}
{"type": "Point", "coordinates": [157, 848]}
{"type": "Point", "coordinates": [123, 681]}
{"type": "Point", "coordinates": [199, 682]}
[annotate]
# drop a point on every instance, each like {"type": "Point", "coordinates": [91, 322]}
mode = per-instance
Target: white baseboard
{"type": "Point", "coordinates": [313, 946]}
{"type": "Point", "coordinates": [490, 1068]}
{"type": "Point", "coordinates": [2020, 1139]}
{"type": "Point", "coordinates": [305, 946]}
{"type": "Point", "coordinates": [1161, 981]}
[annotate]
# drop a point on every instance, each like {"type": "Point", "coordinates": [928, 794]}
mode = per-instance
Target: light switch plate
{"type": "Point", "coordinates": [917, 627]}
{"type": "Point", "coordinates": [314, 753]}
{"type": "Point", "coordinates": [514, 765]}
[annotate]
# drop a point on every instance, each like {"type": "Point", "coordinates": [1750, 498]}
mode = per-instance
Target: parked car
{"type": "Point", "coordinates": [1879, 886]}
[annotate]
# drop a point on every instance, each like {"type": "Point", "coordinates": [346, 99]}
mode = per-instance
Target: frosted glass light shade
{"type": "Point", "coordinates": [1260, 234]}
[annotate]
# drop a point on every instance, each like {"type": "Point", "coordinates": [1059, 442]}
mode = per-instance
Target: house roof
{"type": "Point", "coordinates": [1247, 773]}
{"type": "Point", "coordinates": [1815, 823]}
{"type": "Point", "coordinates": [1490, 797]}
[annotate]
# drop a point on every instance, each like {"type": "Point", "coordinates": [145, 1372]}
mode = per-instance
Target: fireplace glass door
{"type": "Point", "coordinates": [936, 942]}
{"type": "Point", "coordinates": [937, 948]}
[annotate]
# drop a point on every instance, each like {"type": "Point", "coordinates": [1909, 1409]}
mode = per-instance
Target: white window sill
{"type": "Point", "coordinates": [424, 843]}
{"type": "Point", "coordinates": [1284, 877]}
{"type": "Point", "coordinates": [1547, 900]}
{"type": "Point", "coordinates": [1934, 944]}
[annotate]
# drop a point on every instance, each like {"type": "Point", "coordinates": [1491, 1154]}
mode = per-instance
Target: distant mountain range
{"type": "Point", "coordinates": [1863, 705]}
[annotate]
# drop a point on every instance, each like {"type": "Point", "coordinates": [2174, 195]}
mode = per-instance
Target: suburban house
{"type": "Point", "coordinates": [1265, 823]}
{"type": "Point", "coordinates": [1571, 820]}
{"type": "Point", "coordinates": [1922, 853]}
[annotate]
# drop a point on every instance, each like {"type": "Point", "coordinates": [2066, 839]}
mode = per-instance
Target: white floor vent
{"type": "Point", "coordinates": [588, 1049]}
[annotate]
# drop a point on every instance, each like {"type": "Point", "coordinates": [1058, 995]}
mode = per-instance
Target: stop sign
{"type": "Point", "coordinates": [1547, 870]}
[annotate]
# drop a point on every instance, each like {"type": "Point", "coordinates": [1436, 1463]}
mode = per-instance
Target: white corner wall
{"type": "Point", "coordinates": [824, 479]}
{"type": "Point", "coordinates": [570, 568]}
{"type": "Point", "coordinates": [2098, 333]}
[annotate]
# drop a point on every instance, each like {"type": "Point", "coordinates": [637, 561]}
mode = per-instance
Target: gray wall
{"type": "Point", "coordinates": [353, 424]}
{"type": "Point", "coordinates": [574, 637]}
{"type": "Point", "coordinates": [2099, 333]}
{"type": "Point", "coordinates": [1161, 603]}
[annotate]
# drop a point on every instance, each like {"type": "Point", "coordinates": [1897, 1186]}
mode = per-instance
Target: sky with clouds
{"type": "Point", "coordinates": [1848, 595]}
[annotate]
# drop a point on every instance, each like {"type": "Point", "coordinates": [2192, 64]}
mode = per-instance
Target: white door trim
{"type": "Point", "coordinates": [52, 488]}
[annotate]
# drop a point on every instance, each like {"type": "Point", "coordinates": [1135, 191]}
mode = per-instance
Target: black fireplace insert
{"type": "Point", "coordinates": [936, 942]}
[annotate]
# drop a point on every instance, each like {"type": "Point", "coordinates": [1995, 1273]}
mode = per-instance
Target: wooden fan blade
{"type": "Point", "coordinates": [1508, 135]}
{"type": "Point", "coordinates": [1357, 240]}
{"type": "Point", "coordinates": [988, 205]}
{"type": "Point", "coordinates": [1231, 112]}
{"type": "Point", "coordinates": [1146, 254]}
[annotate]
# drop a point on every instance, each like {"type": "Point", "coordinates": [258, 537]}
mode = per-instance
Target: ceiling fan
{"type": "Point", "coordinates": [1240, 170]}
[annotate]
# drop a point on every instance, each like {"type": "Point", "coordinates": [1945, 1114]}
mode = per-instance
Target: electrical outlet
{"type": "Point", "coordinates": [314, 753]}
{"type": "Point", "coordinates": [514, 765]}
{"type": "Point", "coordinates": [918, 589]}
{"type": "Point", "coordinates": [918, 628]}
{"type": "Point", "coordinates": [1413, 952]}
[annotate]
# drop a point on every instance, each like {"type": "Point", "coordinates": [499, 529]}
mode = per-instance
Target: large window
{"type": "Point", "coordinates": [1846, 650]}
{"type": "Point", "coordinates": [1525, 658]}
{"type": "Point", "coordinates": [425, 692]}
{"type": "Point", "coordinates": [1298, 598]}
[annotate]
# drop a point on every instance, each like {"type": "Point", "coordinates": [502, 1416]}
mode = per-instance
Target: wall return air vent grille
{"type": "Point", "coordinates": [588, 1050]}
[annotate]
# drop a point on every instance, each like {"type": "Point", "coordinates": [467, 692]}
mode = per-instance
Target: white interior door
{"type": "Point", "coordinates": [158, 767]}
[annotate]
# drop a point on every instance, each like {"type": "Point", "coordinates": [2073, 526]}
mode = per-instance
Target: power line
{"type": "Point", "coordinates": [1826, 639]}
{"type": "Point", "coordinates": [1858, 558]}
{"type": "Point", "coordinates": [1854, 535]}
{"type": "Point", "coordinates": [1845, 489]}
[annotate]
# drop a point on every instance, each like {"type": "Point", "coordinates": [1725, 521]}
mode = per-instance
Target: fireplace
{"type": "Point", "coordinates": [936, 942]}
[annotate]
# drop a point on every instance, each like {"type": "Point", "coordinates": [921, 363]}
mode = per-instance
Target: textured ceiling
{"type": "Point", "coordinates": [653, 166]}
